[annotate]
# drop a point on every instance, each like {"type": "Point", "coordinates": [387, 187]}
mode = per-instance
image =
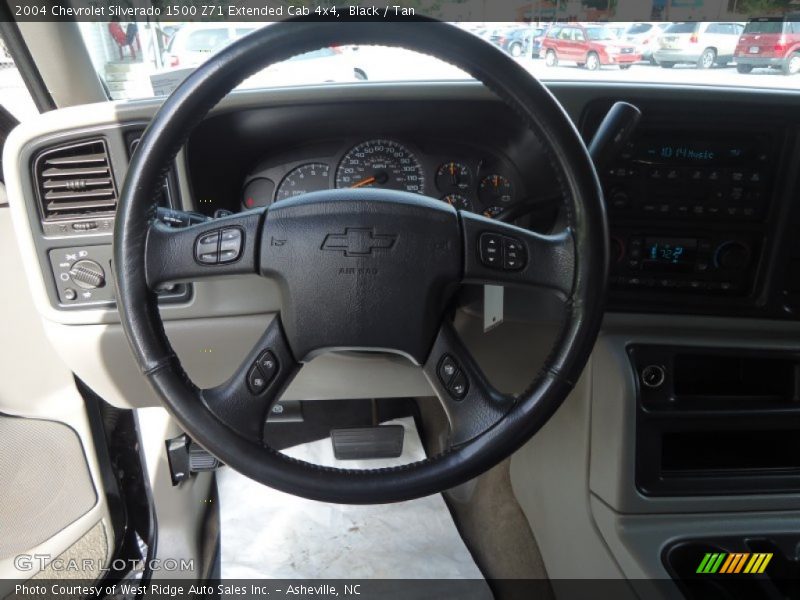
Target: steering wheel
{"type": "Point", "coordinates": [386, 265]}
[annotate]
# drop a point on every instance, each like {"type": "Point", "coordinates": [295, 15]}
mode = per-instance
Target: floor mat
{"type": "Point", "coordinates": [269, 534]}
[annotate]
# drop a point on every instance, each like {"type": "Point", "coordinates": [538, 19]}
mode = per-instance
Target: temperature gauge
{"type": "Point", "coordinates": [458, 201]}
{"type": "Point", "coordinates": [495, 189]}
{"type": "Point", "coordinates": [453, 176]}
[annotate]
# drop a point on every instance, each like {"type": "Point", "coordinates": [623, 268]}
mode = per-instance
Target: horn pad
{"type": "Point", "coordinates": [364, 269]}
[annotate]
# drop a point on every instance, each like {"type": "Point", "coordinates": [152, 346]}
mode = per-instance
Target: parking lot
{"type": "Point", "coordinates": [680, 74]}
{"type": "Point", "coordinates": [392, 65]}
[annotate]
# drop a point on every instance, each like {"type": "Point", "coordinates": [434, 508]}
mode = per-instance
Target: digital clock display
{"type": "Point", "coordinates": [672, 253]}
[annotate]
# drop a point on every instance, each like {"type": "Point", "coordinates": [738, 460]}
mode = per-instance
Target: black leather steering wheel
{"type": "Point", "coordinates": [386, 265]}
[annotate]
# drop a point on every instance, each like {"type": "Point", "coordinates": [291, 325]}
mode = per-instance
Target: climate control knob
{"type": "Point", "coordinates": [88, 274]}
{"type": "Point", "coordinates": [732, 255]}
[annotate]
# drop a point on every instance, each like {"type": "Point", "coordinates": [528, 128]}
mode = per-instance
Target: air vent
{"type": "Point", "coordinates": [76, 181]}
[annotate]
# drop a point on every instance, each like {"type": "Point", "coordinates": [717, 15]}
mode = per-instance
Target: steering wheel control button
{"type": "Point", "coordinates": [452, 377]}
{"type": "Point", "coordinates": [230, 245]}
{"type": "Point", "coordinates": [206, 248]}
{"type": "Point", "coordinates": [502, 252]}
{"type": "Point", "coordinates": [513, 254]}
{"type": "Point", "coordinates": [262, 372]}
{"type": "Point", "coordinates": [458, 386]}
{"type": "Point", "coordinates": [491, 249]}
{"type": "Point", "coordinates": [267, 364]}
{"type": "Point", "coordinates": [256, 382]}
{"type": "Point", "coordinates": [447, 369]}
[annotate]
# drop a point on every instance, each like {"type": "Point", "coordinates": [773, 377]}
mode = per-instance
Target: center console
{"type": "Point", "coordinates": [692, 210]}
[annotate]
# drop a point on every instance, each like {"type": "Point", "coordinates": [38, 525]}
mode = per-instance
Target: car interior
{"type": "Point", "coordinates": [571, 306]}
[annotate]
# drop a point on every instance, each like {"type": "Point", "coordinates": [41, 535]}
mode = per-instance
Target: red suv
{"type": "Point", "coordinates": [590, 45]}
{"type": "Point", "coordinates": [770, 42]}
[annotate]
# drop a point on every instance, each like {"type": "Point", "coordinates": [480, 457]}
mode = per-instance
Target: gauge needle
{"type": "Point", "coordinates": [364, 182]}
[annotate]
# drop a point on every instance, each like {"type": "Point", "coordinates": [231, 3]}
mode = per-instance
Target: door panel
{"type": "Point", "coordinates": [51, 498]}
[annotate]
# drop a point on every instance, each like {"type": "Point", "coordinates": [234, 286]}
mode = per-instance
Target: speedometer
{"type": "Point", "coordinates": [383, 164]}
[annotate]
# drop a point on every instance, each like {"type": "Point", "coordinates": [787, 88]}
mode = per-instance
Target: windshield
{"type": "Point", "coordinates": [681, 28]}
{"type": "Point", "coordinates": [764, 27]}
{"type": "Point", "coordinates": [600, 33]}
{"type": "Point", "coordinates": [145, 59]}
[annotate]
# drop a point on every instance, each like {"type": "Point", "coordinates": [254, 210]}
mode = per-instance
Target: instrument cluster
{"type": "Point", "coordinates": [486, 184]}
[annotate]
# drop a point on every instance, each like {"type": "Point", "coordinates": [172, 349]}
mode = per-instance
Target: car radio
{"type": "Point", "coordinates": [706, 177]}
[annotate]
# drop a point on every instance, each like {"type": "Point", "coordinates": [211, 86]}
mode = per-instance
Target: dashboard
{"type": "Point", "coordinates": [700, 203]}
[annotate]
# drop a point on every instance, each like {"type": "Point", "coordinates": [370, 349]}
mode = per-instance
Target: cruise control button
{"type": "Point", "coordinates": [256, 382]}
{"type": "Point", "coordinates": [210, 258]}
{"type": "Point", "coordinates": [227, 256]}
{"type": "Point", "coordinates": [206, 248]}
{"type": "Point", "coordinates": [230, 247]}
{"type": "Point", "coordinates": [211, 238]}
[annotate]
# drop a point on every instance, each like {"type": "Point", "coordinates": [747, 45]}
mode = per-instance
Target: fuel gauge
{"type": "Point", "coordinates": [453, 176]}
{"type": "Point", "coordinates": [495, 189]}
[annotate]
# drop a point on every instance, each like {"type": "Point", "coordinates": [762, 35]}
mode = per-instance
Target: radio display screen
{"type": "Point", "coordinates": [669, 253]}
{"type": "Point", "coordinates": [668, 149]}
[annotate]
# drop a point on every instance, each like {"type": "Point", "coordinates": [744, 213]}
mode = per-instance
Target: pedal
{"type": "Point", "coordinates": [384, 441]}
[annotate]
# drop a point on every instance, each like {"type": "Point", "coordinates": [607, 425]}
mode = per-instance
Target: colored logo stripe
{"type": "Point", "coordinates": [736, 562]}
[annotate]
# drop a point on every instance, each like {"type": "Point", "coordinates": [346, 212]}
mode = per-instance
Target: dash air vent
{"type": "Point", "coordinates": [76, 181]}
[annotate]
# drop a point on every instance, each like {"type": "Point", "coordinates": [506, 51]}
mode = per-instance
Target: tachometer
{"type": "Point", "coordinates": [383, 164]}
{"type": "Point", "coordinates": [310, 177]}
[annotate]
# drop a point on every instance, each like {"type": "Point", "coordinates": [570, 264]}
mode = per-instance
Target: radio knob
{"type": "Point", "coordinates": [732, 255]}
{"type": "Point", "coordinates": [87, 274]}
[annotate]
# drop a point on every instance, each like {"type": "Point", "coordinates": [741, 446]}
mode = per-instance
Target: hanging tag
{"type": "Point", "coordinates": [492, 306]}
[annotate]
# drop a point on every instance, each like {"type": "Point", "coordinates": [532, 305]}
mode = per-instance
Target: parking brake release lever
{"type": "Point", "coordinates": [613, 133]}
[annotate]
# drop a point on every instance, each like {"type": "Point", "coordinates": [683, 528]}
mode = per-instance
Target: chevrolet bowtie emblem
{"type": "Point", "coordinates": [357, 242]}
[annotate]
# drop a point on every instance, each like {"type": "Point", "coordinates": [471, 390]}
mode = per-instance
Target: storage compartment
{"type": "Point", "coordinates": [714, 375]}
{"type": "Point", "coordinates": [716, 421]}
{"type": "Point", "coordinates": [692, 451]}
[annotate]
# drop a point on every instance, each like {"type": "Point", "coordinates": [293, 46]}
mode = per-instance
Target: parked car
{"type": "Point", "coordinates": [518, 41]}
{"type": "Point", "coordinates": [770, 42]}
{"type": "Point", "coordinates": [589, 45]}
{"type": "Point", "coordinates": [193, 43]}
{"type": "Point", "coordinates": [645, 37]}
{"type": "Point", "coordinates": [699, 43]}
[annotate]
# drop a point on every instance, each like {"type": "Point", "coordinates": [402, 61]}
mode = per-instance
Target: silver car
{"type": "Point", "coordinates": [699, 43]}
